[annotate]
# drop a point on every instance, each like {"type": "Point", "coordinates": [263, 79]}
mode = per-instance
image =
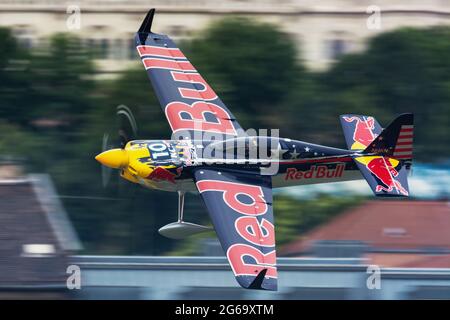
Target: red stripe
{"type": "Point", "coordinates": [154, 63]}
{"type": "Point", "coordinates": [405, 135]}
{"type": "Point", "coordinates": [403, 157]}
{"type": "Point", "coordinates": [404, 146]}
{"type": "Point", "coordinates": [162, 52]}
{"type": "Point", "coordinates": [403, 150]}
{"type": "Point", "coordinates": [407, 130]}
{"type": "Point", "coordinates": [404, 143]}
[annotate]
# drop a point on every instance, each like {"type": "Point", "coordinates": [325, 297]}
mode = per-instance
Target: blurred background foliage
{"type": "Point", "coordinates": [54, 112]}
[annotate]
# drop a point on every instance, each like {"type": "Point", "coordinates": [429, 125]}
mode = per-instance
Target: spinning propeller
{"type": "Point", "coordinates": [128, 159]}
{"type": "Point", "coordinates": [113, 155]}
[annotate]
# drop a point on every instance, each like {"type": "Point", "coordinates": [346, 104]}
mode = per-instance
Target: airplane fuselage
{"type": "Point", "coordinates": [289, 162]}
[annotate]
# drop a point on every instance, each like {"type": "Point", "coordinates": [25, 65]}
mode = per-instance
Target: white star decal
{"type": "Point", "coordinates": [278, 152]}
{"type": "Point", "coordinates": [307, 149]}
{"type": "Point", "coordinates": [294, 154]}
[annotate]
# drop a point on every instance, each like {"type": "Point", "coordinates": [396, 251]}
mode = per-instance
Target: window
{"type": "Point", "coordinates": [132, 49]}
{"type": "Point", "coordinates": [337, 44]}
{"type": "Point", "coordinates": [24, 36]}
{"type": "Point", "coordinates": [38, 250]}
{"type": "Point", "coordinates": [103, 48]}
{"type": "Point", "coordinates": [117, 50]}
{"type": "Point", "coordinates": [99, 48]}
{"type": "Point", "coordinates": [337, 48]}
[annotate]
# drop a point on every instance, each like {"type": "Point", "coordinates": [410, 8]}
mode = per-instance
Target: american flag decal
{"type": "Point", "coordinates": [404, 147]}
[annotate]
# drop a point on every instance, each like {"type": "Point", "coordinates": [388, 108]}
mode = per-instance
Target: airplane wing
{"type": "Point", "coordinates": [240, 206]}
{"type": "Point", "coordinates": [189, 103]}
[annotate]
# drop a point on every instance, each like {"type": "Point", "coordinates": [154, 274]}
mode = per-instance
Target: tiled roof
{"type": "Point", "coordinates": [409, 260]}
{"type": "Point", "coordinates": [26, 220]}
{"type": "Point", "coordinates": [385, 225]}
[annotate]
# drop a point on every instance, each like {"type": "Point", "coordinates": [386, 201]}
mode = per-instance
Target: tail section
{"type": "Point", "coordinates": [396, 140]}
{"type": "Point", "coordinates": [359, 131]}
{"type": "Point", "coordinates": [385, 176]}
{"type": "Point", "coordinates": [383, 156]}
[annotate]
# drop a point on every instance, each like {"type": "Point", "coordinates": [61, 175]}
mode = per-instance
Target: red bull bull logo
{"type": "Point", "coordinates": [384, 169]}
{"type": "Point", "coordinates": [363, 134]}
{"type": "Point", "coordinates": [162, 174]}
{"type": "Point", "coordinates": [316, 172]}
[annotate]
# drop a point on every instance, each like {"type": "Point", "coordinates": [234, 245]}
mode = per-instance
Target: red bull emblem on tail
{"type": "Point", "coordinates": [384, 169]}
{"type": "Point", "coordinates": [363, 134]}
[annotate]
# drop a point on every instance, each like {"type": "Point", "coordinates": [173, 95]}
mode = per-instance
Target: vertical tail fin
{"type": "Point", "coordinates": [359, 131]}
{"type": "Point", "coordinates": [396, 141]}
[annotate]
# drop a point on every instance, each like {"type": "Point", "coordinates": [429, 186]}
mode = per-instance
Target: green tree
{"type": "Point", "coordinates": [253, 68]}
{"type": "Point", "coordinates": [406, 70]}
{"type": "Point", "coordinates": [14, 79]}
{"type": "Point", "coordinates": [63, 84]}
{"type": "Point", "coordinates": [251, 64]}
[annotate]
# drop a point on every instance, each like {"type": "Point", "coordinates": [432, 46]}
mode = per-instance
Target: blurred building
{"type": "Point", "coordinates": [192, 278]}
{"type": "Point", "coordinates": [413, 234]}
{"type": "Point", "coordinates": [406, 241]}
{"type": "Point", "coordinates": [322, 29]}
{"type": "Point", "coordinates": [37, 243]}
{"type": "Point", "coordinates": [36, 237]}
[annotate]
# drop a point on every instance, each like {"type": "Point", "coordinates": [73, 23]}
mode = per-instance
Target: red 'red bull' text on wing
{"type": "Point", "coordinates": [187, 100]}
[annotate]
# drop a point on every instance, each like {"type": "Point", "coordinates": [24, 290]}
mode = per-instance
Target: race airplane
{"type": "Point", "coordinates": [234, 182]}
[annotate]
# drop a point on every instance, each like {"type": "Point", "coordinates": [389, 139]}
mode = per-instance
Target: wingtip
{"type": "Point", "coordinates": [259, 282]}
{"type": "Point", "coordinates": [146, 25]}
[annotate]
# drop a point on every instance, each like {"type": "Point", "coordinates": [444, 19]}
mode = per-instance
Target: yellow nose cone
{"type": "Point", "coordinates": [114, 158]}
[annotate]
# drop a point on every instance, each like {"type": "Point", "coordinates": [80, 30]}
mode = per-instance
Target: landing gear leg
{"type": "Point", "coordinates": [181, 229]}
{"type": "Point", "coordinates": [180, 205]}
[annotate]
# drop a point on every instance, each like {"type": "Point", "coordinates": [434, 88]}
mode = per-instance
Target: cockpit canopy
{"type": "Point", "coordinates": [254, 147]}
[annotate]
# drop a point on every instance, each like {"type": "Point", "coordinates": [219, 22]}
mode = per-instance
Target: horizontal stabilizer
{"type": "Point", "coordinates": [386, 176]}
